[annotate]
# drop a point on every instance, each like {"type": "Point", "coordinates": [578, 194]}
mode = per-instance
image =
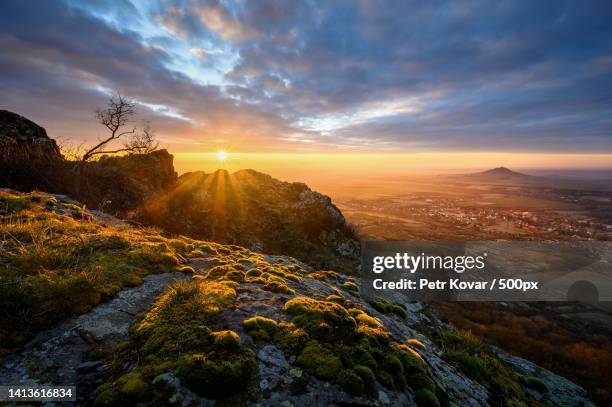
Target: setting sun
{"type": "Point", "coordinates": [221, 155]}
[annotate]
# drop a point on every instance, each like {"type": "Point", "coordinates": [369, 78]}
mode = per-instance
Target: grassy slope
{"type": "Point", "coordinates": [56, 261]}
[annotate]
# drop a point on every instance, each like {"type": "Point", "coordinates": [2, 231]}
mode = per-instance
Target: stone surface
{"type": "Point", "coordinates": [22, 139]}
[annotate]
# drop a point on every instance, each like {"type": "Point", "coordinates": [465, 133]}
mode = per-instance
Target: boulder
{"type": "Point", "coordinates": [23, 140]}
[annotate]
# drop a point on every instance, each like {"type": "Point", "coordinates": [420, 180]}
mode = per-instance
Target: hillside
{"type": "Point", "coordinates": [246, 208]}
{"type": "Point", "coordinates": [257, 211]}
{"type": "Point", "coordinates": [497, 175]}
{"type": "Point", "coordinates": [133, 317]}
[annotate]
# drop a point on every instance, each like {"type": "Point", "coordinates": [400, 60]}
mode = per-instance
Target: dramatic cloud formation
{"type": "Point", "coordinates": [317, 76]}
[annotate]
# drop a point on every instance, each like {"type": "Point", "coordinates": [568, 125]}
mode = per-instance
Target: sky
{"type": "Point", "coordinates": [360, 78]}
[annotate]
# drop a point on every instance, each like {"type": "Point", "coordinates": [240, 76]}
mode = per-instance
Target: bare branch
{"type": "Point", "coordinates": [114, 117]}
{"type": "Point", "coordinates": [70, 150]}
{"type": "Point", "coordinates": [143, 142]}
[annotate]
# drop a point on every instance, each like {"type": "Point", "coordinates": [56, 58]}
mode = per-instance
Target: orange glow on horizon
{"type": "Point", "coordinates": [386, 164]}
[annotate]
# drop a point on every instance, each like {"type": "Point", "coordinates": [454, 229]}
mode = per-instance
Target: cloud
{"type": "Point", "coordinates": [371, 75]}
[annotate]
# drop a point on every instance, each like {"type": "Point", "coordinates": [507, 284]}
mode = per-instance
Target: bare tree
{"type": "Point", "coordinates": [143, 142]}
{"type": "Point", "coordinates": [71, 150]}
{"type": "Point", "coordinates": [116, 118]}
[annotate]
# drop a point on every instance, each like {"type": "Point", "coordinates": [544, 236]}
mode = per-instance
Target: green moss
{"type": "Point", "coordinates": [534, 383]}
{"type": "Point", "coordinates": [235, 275]}
{"type": "Point", "coordinates": [278, 287]}
{"type": "Point", "coordinates": [320, 317]}
{"type": "Point", "coordinates": [132, 387]}
{"type": "Point", "coordinates": [13, 203]}
{"type": "Point", "coordinates": [217, 377]}
{"type": "Point", "coordinates": [219, 272]}
{"type": "Point", "coordinates": [108, 397]}
{"type": "Point", "coordinates": [367, 377]}
{"type": "Point", "coordinates": [386, 307]}
{"type": "Point", "coordinates": [415, 343]}
{"type": "Point", "coordinates": [226, 340]}
{"type": "Point", "coordinates": [477, 361]}
{"type": "Point", "coordinates": [290, 337]}
{"type": "Point", "coordinates": [156, 258]}
{"type": "Point", "coordinates": [318, 357]}
{"type": "Point", "coordinates": [187, 270]}
{"type": "Point", "coordinates": [324, 275]}
{"type": "Point", "coordinates": [192, 303]}
{"type": "Point", "coordinates": [426, 398]}
{"type": "Point", "coordinates": [336, 298]}
{"type": "Point", "coordinates": [342, 340]}
{"type": "Point", "coordinates": [351, 287]}
{"type": "Point", "coordinates": [351, 382]}
{"type": "Point", "coordinates": [254, 272]}
{"type": "Point", "coordinates": [386, 379]}
{"type": "Point", "coordinates": [257, 323]}
{"type": "Point", "coordinates": [175, 334]}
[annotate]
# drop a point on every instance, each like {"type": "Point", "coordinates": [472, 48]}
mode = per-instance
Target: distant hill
{"type": "Point", "coordinates": [503, 175]}
{"type": "Point", "coordinates": [254, 210]}
{"type": "Point", "coordinates": [500, 175]}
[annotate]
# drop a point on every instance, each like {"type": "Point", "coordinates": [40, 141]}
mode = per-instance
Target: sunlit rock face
{"type": "Point", "coordinates": [257, 211]}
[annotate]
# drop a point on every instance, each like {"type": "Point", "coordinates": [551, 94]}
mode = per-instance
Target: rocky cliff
{"type": "Point", "coordinates": [135, 318]}
{"type": "Point", "coordinates": [23, 140]}
{"type": "Point", "coordinates": [257, 211]}
{"type": "Point", "coordinates": [122, 184]}
{"type": "Point", "coordinates": [29, 160]}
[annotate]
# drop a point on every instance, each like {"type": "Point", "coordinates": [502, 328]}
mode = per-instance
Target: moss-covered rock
{"type": "Point", "coordinates": [260, 328]}
{"type": "Point", "coordinates": [350, 382]}
{"type": "Point", "coordinates": [386, 307]}
{"type": "Point", "coordinates": [426, 398]}
{"type": "Point", "coordinates": [213, 377]}
{"type": "Point", "coordinates": [226, 340]}
{"type": "Point", "coordinates": [318, 357]}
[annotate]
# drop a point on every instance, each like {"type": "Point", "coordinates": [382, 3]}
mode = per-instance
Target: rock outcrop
{"type": "Point", "coordinates": [257, 211]}
{"type": "Point", "coordinates": [121, 184]}
{"type": "Point", "coordinates": [29, 160]}
{"type": "Point", "coordinates": [23, 140]}
{"type": "Point", "coordinates": [204, 324]}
